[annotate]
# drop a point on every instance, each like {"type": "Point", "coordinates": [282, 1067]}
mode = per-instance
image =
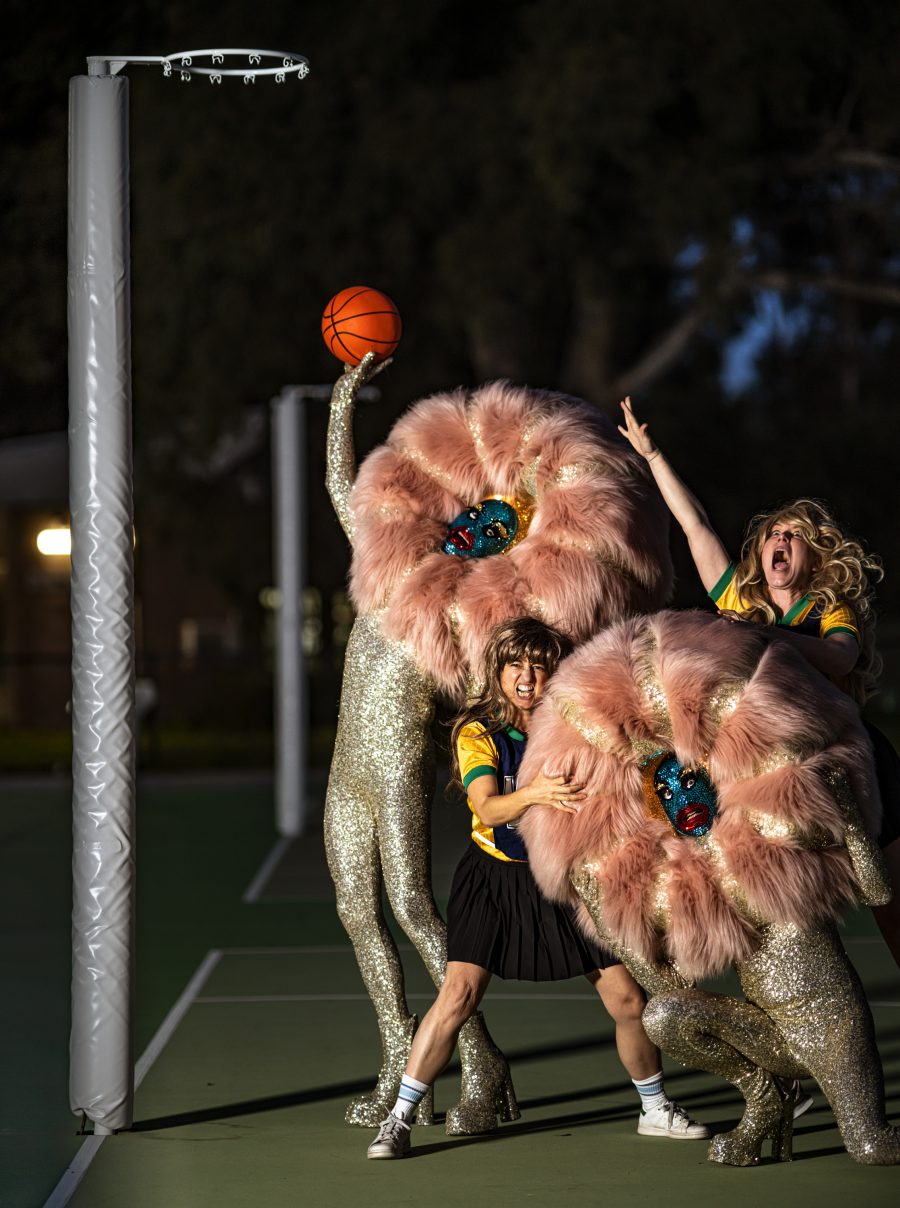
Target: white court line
{"type": "Point", "coordinates": [75, 1172]}
{"type": "Point", "coordinates": [309, 949]}
{"type": "Point", "coordinates": [175, 1016]}
{"type": "Point", "coordinates": [78, 1167]}
{"type": "Point", "coordinates": [244, 998]}
{"type": "Point", "coordinates": [268, 866]}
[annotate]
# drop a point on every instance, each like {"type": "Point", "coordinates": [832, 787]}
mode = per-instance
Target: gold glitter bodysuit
{"type": "Point", "coordinates": [377, 832]}
{"type": "Point", "coordinates": [723, 827]}
{"type": "Point", "coordinates": [805, 1014]}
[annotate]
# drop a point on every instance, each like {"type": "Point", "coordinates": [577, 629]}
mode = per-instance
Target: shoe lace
{"type": "Point", "coordinates": [676, 1111]}
{"type": "Point", "coordinates": [392, 1128]}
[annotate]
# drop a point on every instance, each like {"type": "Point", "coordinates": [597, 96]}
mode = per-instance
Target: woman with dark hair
{"type": "Point", "coordinates": [497, 920]}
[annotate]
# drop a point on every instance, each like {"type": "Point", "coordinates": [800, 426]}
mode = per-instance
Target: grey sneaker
{"type": "Point", "coordinates": [392, 1140]}
{"type": "Point", "coordinates": [797, 1095]}
{"type": "Point", "coordinates": [670, 1120]}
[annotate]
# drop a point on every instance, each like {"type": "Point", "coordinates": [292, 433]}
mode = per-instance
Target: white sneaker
{"type": "Point", "coordinates": [670, 1120]}
{"type": "Point", "coordinates": [392, 1140]}
{"type": "Point", "coordinates": [797, 1095]}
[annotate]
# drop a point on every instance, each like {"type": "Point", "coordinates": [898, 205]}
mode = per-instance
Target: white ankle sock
{"type": "Point", "coordinates": [651, 1091]}
{"type": "Point", "coordinates": [411, 1095]}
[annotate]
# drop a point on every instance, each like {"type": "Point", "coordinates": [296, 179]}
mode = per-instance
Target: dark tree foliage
{"type": "Point", "coordinates": [590, 195]}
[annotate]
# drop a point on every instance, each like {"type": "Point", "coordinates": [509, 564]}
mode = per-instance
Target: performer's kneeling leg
{"type": "Point", "coordinates": [727, 1037]}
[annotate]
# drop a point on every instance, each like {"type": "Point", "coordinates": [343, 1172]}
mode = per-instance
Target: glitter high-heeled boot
{"type": "Point", "coordinates": [370, 1109]}
{"type": "Point", "coordinates": [769, 1115]}
{"type": "Point", "coordinates": [487, 1089]}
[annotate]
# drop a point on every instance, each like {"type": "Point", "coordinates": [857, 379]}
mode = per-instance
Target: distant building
{"type": "Point", "coordinates": [205, 663]}
{"type": "Point", "coordinates": [183, 622]}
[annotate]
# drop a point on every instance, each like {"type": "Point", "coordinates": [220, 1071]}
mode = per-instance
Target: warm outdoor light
{"type": "Point", "coordinates": [55, 542]}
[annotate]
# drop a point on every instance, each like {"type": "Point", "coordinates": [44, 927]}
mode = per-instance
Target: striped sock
{"type": "Point", "coordinates": [411, 1095]}
{"type": "Point", "coordinates": [651, 1091]}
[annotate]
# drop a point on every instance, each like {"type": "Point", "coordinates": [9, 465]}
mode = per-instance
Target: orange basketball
{"type": "Point", "coordinates": [360, 320]}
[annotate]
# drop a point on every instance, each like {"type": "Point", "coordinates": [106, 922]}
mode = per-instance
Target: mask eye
{"type": "Point", "coordinates": [688, 780]}
{"type": "Point", "coordinates": [472, 513]}
{"type": "Point", "coordinates": [663, 791]}
{"type": "Point", "coordinates": [495, 529]}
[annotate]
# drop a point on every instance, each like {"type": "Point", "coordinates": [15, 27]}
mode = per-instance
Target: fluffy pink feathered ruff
{"type": "Point", "coordinates": [771, 730]}
{"type": "Point", "coordinates": [596, 550]}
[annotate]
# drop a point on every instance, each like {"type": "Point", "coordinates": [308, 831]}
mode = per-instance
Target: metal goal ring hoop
{"type": "Point", "coordinates": [183, 63]}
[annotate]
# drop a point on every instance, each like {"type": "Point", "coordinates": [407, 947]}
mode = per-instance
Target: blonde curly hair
{"type": "Point", "coordinates": [843, 573]}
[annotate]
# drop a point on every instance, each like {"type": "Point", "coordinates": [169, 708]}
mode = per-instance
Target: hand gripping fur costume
{"type": "Point", "coordinates": [580, 540]}
{"type": "Point", "coordinates": [730, 800]}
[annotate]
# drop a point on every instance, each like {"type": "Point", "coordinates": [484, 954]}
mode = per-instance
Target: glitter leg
{"type": "Point", "coordinates": [487, 1089]}
{"type": "Point", "coordinates": [807, 986]}
{"type": "Point", "coordinates": [806, 1014]}
{"type": "Point", "coordinates": [716, 1033]}
{"type": "Point", "coordinates": [358, 888]}
{"type": "Point", "coordinates": [377, 828]}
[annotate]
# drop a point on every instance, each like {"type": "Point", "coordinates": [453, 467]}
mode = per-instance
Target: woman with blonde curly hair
{"type": "Point", "coordinates": [838, 591]}
{"type": "Point", "coordinates": [802, 575]}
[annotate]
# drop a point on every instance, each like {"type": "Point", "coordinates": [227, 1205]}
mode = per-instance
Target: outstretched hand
{"type": "Point", "coordinates": [636, 433]}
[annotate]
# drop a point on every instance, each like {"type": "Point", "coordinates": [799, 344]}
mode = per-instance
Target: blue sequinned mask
{"type": "Point", "coordinates": [485, 528]}
{"type": "Point", "coordinates": [683, 796]}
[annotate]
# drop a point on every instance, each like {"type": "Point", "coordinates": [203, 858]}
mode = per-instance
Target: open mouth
{"type": "Point", "coordinates": [780, 559]}
{"type": "Point", "coordinates": [691, 817]}
{"type": "Point", "coordinates": [462, 538]}
{"type": "Point", "coordinates": [525, 692]}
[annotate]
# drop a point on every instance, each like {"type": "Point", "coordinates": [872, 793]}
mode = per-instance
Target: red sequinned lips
{"type": "Point", "coordinates": [692, 816]}
{"type": "Point", "coordinates": [462, 538]}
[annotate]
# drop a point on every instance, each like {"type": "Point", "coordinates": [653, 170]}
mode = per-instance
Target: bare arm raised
{"type": "Point", "coordinates": [709, 554]}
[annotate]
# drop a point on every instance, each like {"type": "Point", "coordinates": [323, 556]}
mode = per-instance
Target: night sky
{"type": "Point", "coordinates": [691, 204]}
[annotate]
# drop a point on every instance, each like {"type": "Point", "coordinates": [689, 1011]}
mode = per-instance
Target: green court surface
{"type": "Point", "coordinates": [266, 1032]}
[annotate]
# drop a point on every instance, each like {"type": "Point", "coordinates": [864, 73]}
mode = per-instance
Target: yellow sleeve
{"type": "Point", "coordinates": [477, 753]}
{"type": "Point", "coordinates": [724, 595]}
{"type": "Point", "coordinates": [839, 619]}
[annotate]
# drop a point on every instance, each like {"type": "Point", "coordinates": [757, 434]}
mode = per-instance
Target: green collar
{"type": "Point", "coordinates": [795, 609]}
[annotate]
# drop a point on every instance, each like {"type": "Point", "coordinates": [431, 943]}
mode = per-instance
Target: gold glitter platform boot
{"type": "Point", "coordinates": [370, 1109]}
{"type": "Point", "coordinates": [769, 1115]}
{"type": "Point", "coordinates": [487, 1089]}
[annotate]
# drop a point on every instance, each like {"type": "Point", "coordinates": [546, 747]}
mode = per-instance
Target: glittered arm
{"type": "Point", "coordinates": [340, 469]}
{"type": "Point", "coordinates": [656, 977]}
{"type": "Point", "coordinates": [866, 857]}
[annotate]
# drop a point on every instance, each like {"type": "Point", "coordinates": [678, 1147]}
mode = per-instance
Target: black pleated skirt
{"type": "Point", "coordinates": [498, 919]}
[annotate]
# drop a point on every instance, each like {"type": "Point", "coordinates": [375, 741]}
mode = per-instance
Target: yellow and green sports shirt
{"type": "Point", "coordinates": [806, 616]}
{"type": "Point", "coordinates": [498, 755]}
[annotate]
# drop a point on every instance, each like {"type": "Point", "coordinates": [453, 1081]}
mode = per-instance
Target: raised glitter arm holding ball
{"type": "Point", "coordinates": [340, 463]}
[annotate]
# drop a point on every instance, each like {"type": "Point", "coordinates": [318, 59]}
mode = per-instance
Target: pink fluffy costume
{"type": "Point", "coordinates": [731, 800]}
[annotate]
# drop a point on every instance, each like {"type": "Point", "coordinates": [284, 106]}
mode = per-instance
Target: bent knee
{"type": "Point", "coordinates": [627, 1006]}
{"type": "Point", "coordinates": [658, 1015]}
{"type": "Point", "coordinates": [416, 913]}
{"type": "Point", "coordinates": [458, 999]}
{"type": "Point", "coordinates": [356, 910]}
